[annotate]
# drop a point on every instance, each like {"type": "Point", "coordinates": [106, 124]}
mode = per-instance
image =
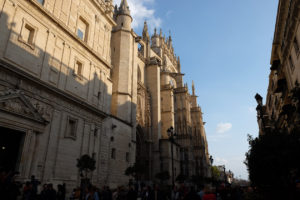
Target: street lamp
{"type": "Point", "coordinates": [230, 176]}
{"type": "Point", "coordinates": [211, 160]}
{"type": "Point", "coordinates": [224, 174]}
{"type": "Point", "coordinates": [171, 135]}
{"type": "Point", "coordinates": [211, 165]}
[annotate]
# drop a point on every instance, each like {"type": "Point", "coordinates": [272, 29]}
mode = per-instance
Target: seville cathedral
{"type": "Point", "coordinates": [76, 79]}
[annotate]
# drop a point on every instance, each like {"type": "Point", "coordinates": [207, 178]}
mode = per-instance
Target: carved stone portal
{"type": "Point", "coordinates": [15, 102]}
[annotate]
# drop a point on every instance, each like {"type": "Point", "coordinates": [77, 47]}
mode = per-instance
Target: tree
{"type": "Point", "coordinates": [215, 174]}
{"type": "Point", "coordinates": [85, 165]}
{"type": "Point", "coordinates": [273, 161]}
{"type": "Point", "coordinates": [181, 178]}
{"type": "Point", "coordinates": [163, 176]}
{"type": "Point", "coordinates": [135, 171]}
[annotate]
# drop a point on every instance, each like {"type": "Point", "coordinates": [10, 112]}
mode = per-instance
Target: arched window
{"type": "Point", "coordinates": [139, 74]}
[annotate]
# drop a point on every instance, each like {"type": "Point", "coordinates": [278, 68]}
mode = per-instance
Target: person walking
{"type": "Point", "coordinates": [201, 192]}
{"type": "Point", "coordinates": [28, 193]}
{"type": "Point", "coordinates": [131, 194]}
{"type": "Point", "coordinates": [50, 192]}
{"type": "Point", "coordinates": [208, 194]}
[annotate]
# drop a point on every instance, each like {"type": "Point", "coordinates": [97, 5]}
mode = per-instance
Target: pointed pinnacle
{"type": "Point", "coordinates": [193, 88]}
{"type": "Point", "coordinates": [124, 8]}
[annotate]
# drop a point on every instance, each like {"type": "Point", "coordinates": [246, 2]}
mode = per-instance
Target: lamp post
{"type": "Point", "coordinates": [211, 165]}
{"type": "Point", "coordinates": [224, 174]}
{"type": "Point", "coordinates": [230, 176]}
{"type": "Point", "coordinates": [211, 160]}
{"type": "Point", "coordinates": [171, 135]}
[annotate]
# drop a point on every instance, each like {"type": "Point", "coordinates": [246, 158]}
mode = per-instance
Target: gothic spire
{"type": "Point", "coordinates": [124, 8]}
{"type": "Point", "coordinates": [145, 32]}
{"type": "Point", "coordinates": [193, 88]}
{"type": "Point", "coordinates": [170, 41]}
{"type": "Point", "coordinates": [178, 64]}
{"type": "Point", "coordinates": [155, 33]}
{"type": "Point", "coordinates": [116, 11]}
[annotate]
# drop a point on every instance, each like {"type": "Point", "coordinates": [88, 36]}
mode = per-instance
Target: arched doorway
{"type": "Point", "coordinates": [142, 155]}
{"type": "Point", "coordinates": [11, 143]}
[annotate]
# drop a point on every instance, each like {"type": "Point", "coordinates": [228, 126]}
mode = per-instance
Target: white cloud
{"type": "Point", "coordinates": [140, 12]}
{"type": "Point", "coordinates": [252, 109]}
{"type": "Point", "coordinates": [223, 127]}
{"type": "Point", "coordinates": [217, 137]}
{"type": "Point", "coordinates": [220, 161]}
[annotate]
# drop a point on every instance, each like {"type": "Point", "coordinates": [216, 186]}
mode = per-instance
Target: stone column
{"type": "Point", "coordinates": [153, 83]}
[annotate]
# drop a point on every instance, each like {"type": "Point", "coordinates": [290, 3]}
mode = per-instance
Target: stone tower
{"type": "Point", "coordinates": [122, 57]}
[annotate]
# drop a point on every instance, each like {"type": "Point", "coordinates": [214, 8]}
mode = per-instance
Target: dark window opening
{"type": "Point", "coordinates": [71, 132]}
{"type": "Point", "coordinates": [127, 157]}
{"type": "Point", "coordinates": [113, 153]}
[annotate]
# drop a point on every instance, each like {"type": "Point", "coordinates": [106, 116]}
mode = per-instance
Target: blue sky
{"type": "Point", "coordinates": [225, 47]}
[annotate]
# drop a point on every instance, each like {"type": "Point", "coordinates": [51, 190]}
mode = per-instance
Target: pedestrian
{"type": "Point", "coordinates": [13, 187]}
{"type": "Point", "coordinates": [131, 194]}
{"type": "Point", "coordinates": [50, 192]}
{"type": "Point", "coordinates": [157, 193]}
{"type": "Point", "coordinates": [75, 194]}
{"type": "Point", "coordinates": [95, 193]}
{"type": "Point", "coordinates": [44, 192]}
{"type": "Point", "coordinates": [208, 194]}
{"type": "Point", "coordinates": [201, 192]}
{"type": "Point", "coordinates": [60, 192]}
{"type": "Point", "coordinates": [35, 183]}
{"type": "Point", "coordinates": [28, 192]}
{"type": "Point", "coordinates": [106, 193]}
{"type": "Point", "coordinates": [175, 194]}
{"type": "Point", "coordinates": [115, 194]}
{"type": "Point", "coordinates": [192, 195]}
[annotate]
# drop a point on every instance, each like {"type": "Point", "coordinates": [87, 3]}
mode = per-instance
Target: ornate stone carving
{"type": "Point", "coordinates": [143, 116]}
{"type": "Point", "coordinates": [15, 102]}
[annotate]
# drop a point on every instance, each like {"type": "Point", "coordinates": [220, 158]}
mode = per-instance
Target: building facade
{"type": "Point", "coordinates": [282, 108]}
{"type": "Point", "coordinates": [76, 79]}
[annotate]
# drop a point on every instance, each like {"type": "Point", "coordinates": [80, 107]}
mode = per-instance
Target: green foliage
{"type": "Point", "coordinates": [215, 173]}
{"type": "Point", "coordinates": [273, 160]}
{"type": "Point", "coordinates": [135, 170]}
{"type": "Point", "coordinates": [181, 178]}
{"type": "Point", "coordinates": [86, 164]}
{"type": "Point", "coordinates": [163, 176]}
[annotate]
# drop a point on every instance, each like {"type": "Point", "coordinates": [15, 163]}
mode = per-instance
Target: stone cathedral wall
{"type": "Point", "coordinates": [64, 78]}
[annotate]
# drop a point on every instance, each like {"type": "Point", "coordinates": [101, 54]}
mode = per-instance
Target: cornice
{"type": "Point", "coordinates": [70, 33]}
{"type": "Point", "coordinates": [27, 76]}
{"type": "Point", "coordinates": [124, 30]}
{"type": "Point", "coordinates": [110, 19]}
{"type": "Point", "coordinates": [122, 93]}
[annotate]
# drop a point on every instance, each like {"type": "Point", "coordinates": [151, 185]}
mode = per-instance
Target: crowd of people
{"type": "Point", "coordinates": [10, 189]}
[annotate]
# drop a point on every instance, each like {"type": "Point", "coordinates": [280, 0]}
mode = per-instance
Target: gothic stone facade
{"type": "Point", "coordinates": [76, 79]}
{"type": "Point", "coordinates": [282, 108]}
